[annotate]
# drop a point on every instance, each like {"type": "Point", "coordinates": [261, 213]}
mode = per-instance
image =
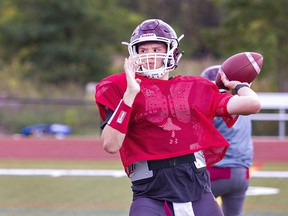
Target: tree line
{"type": "Point", "coordinates": [73, 41]}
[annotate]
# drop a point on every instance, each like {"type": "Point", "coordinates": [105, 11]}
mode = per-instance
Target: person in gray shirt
{"type": "Point", "coordinates": [230, 176]}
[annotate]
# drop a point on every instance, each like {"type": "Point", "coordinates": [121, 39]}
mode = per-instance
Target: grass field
{"type": "Point", "coordinates": [55, 195]}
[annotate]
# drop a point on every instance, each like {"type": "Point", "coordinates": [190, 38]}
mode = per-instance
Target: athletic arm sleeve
{"type": "Point", "coordinates": [108, 116]}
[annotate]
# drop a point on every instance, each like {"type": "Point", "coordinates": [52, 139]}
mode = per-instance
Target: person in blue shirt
{"type": "Point", "coordinates": [230, 176]}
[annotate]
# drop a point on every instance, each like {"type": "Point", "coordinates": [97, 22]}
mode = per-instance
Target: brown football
{"type": "Point", "coordinates": [243, 67]}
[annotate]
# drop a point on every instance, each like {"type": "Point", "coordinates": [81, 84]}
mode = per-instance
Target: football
{"type": "Point", "coordinates": [243, 67]}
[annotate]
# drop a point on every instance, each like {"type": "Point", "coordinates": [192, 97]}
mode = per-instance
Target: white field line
{"type": "Point", "coordinates": [62, 172]}
{"type": "Point", "coordinates": [270, 174]}
{"type": "Point", "coordinates": [111, 173]}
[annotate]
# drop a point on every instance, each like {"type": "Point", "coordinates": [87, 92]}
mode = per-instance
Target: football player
{"type": "Point", "coordinates": [163, 128]}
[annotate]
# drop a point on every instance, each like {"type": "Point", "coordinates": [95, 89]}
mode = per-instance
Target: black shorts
{"type": "Point", "coordinates": [181, 183]}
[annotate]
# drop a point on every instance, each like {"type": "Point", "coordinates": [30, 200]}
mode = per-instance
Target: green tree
{"type": "Point", "coordinates": [261, 26]}
{"type": "Point", "coordinates": [188, 17]}
{"type": "Point", "coordinates": [61, 41]}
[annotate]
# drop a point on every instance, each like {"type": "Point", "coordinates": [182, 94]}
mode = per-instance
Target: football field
{"type": "Point", "coordinates": [73, 177]}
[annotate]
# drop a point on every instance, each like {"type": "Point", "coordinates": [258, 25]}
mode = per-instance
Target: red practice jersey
{"type": "Point", "coordinates": [169, 117]}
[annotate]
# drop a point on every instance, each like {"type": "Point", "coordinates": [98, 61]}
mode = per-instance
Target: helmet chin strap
{"type": "Point", "coordinates": [153, 74]}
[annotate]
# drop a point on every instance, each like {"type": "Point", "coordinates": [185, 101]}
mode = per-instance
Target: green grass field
{"type": "Point", "coordinates": [103, 196]}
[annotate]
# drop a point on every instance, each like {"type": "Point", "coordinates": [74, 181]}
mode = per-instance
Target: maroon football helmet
{"type": "Point", "coordinates": [158, 31]}
{"type": "Point", "coordinates": [211, 72]}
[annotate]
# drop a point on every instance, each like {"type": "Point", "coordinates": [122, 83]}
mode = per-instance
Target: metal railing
{"type": "Point", "coordinates": [277, 102]}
